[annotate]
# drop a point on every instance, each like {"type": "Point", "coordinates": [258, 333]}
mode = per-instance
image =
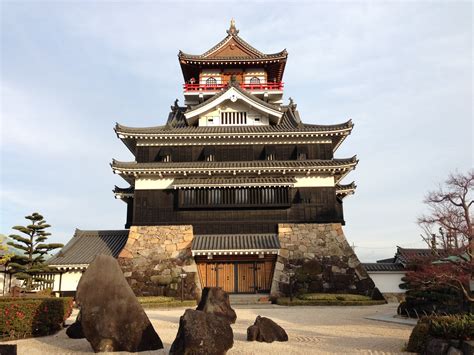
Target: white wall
{"type": "Point", "coordinates": [228, 106]}
{"type": "Point", "coordinates": [388, 281]}
{"type": "Point", "coordinates": [5, 283]}
{"type": "Point", "coordinates": [69, 281]}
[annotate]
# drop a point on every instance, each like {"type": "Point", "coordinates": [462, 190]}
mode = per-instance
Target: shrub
{"type": "Point", "coordinates": [452, 327]}
{"type": "Point", "coordinates": [285, 301]}
{"type": "Point", "coordinates": [418, 337]}
{"type": "Point", "coordinates": [459, 327]}
{"type": "Point", "coordinates": [333, 297]}
{"type": "Point", "coordinates": [26, 317]}
{"type": "Point", "coordinates": [163, 301]}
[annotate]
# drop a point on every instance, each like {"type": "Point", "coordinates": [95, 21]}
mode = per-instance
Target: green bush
{"type": "Point", "coordinates": [26, 317]}
{"type": "Point", "coordinates": [452, 327]}
{"type": "Point", "coordinates": [418, 337]}
{"type": "Point", "coordinates": [162, 301]}
{"type": "Point", "coordinates": [459, 327]}
{"type": "Point", "coordinates": [333, 297]}
{"type": "Point", "coordinates": [285, 301]}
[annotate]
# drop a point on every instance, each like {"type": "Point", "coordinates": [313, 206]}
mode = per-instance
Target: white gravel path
{"type": "Point", "coordinates": [311, 330]}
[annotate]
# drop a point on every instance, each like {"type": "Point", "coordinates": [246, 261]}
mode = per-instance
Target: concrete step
{"type": "Point", "coordinates": [241, 299]}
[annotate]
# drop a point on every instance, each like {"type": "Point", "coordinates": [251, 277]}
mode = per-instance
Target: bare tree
{"type": "Point", "coordinates": [449, 215]}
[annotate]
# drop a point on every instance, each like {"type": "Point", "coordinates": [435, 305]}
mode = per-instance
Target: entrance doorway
{"type": "Point", "coordinates": [237, 276]}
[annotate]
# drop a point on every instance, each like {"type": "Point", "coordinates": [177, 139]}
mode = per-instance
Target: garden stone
{"type": "Point", "coordinates": [377, 295]}
{"type": "Point", "coordinates": [468, 347]}
{"type": "Point", "coordinates": [74, 331]}
{"type": "Point", "coordinates": [266, 330]}
{"type": "Point", "coordinates": [112, 319]}
{"type": "Point", "coordinates": [8, 349]}
{"type": "Point", "coordinates": [435, 346]}
{"type": "Point", "coordinates": [454, 351]}
{"type": "Point", "coordinates": [215, 300]}
{"type": "Point", "coordinates": [202, 333]}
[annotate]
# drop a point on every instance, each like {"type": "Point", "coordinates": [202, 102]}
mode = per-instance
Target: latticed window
{"type": "Point", "coordinates": [211, 81]}
{"type": "Point", "coordinates": [254, 81]}
{"type": "Point", "coordinates": [233, 118]}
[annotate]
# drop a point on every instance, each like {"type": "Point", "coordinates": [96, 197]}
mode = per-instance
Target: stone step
{"type": "Point", "coordinates": [242, 299]}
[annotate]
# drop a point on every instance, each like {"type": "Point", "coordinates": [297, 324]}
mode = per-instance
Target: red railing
{"type": "Point", "coordinates": [217, 87]}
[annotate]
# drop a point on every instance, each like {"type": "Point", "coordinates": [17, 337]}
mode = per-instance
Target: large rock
{"type": "Point", "coordinates": [436, 346]}
{"type": "Point", "coordinates": [112, 319]}
{"type": "Point", "coordinates": [215, 300]}
{"type": "Point", "coordinates": [266, 330]}
{"type": "Point", "coordinates": [202, 333]}
{"type": "Point", "coordinates": [74, 331]}
{"type": "Point", "coordinates": [468, 347]}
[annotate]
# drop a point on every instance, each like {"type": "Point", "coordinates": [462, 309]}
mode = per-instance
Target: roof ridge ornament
{"type": "Point", "coordinates": [233, 31]}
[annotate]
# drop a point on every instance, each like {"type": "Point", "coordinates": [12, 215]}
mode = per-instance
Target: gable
{"type": "Point", "coordinates": [232, 49]}
{"type": "Point", "coordinates": [235, 96]}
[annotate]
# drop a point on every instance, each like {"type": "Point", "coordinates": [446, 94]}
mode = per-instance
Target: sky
{"type": "Point", "coordinates": [402, 71]}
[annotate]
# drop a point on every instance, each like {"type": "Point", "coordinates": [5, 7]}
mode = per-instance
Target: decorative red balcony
{"type": "Point", "coordinates": [216, 87]}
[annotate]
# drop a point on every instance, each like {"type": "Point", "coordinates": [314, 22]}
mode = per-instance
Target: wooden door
{"type": "Point", "coordinates": [246, 277]}
{"type": "Point", "coordinates": [263, 274]}
{"type": "Point", "coordinates": [225, 277]}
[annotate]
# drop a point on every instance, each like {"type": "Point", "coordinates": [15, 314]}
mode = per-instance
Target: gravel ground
{"type": "Point", "coordinates": [311, 330]}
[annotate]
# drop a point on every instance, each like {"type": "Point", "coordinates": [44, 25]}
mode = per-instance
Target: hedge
{"type": "Point", "coordinates": [452, 327]}
{"type": "Point", "coordinates": [285, 301]}
{"type": "Point", "coordinates": [164, 302]}
{"type": "Point", "coordinates": [27, 317]}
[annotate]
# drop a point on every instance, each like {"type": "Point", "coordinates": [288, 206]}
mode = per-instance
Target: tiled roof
{"type": "Point", "coordinates": [380, 267]}
{"type": "Point", "coordinates": [285, 126]}
{"type": "Point", "coordinates": [235, 181]}
{"type": "Point", "coordinates": [255, 53]}
{"type": "Point", "coordinates": [408, 255]}
{"type": "Point", "coordinates": [257, 164]}
{"type": "Point", "coordinates": [235, 243]}
{"type": "Point", "coordinates": [85, 245]}
{"type": "Point", "coordinates": [244, 92]}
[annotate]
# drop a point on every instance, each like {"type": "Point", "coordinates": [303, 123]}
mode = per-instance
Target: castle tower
{"type": "Point", "coordinates": [235, 188]}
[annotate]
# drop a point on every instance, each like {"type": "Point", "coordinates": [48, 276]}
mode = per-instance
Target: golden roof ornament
{"type": "Point", "coordinates": [232, 30]}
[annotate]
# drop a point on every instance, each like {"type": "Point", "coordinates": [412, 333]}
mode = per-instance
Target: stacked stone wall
{"type": "Point", "coordinates": [322, 260]}
{"type": "Point", "coordinates": [155, 256]}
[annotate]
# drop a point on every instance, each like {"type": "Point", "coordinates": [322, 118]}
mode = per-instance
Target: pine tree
{"type": "Point", "coordinates": [29, 265]}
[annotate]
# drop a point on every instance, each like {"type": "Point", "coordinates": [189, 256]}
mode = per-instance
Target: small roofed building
{"type": "Point", "coordinates": [79, 252]}
{"type": "Point", "coordinates": [233, 189]}
{"type": "Point", "coordinates": [387, 274]}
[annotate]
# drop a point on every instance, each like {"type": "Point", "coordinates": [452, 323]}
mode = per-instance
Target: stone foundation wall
{"type": "Point", "coordinates": [155, 256]}
{"type": "Point", "coordinates": [326, 261]}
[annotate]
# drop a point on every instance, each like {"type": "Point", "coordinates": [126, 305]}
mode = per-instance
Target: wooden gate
{"type": "Point", "coordinates": [237, 277]}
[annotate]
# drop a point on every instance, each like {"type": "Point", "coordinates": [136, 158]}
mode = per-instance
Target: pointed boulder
{"type": "Point", "coordinates": [215, 300]}
{"type": "Point", "coordinates": [112, 319]}
{"type": "Point", "coordinates": [202, 333]}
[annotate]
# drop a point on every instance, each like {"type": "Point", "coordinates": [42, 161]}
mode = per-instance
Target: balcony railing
{"type": "Point", "coordinates": [216, 87]}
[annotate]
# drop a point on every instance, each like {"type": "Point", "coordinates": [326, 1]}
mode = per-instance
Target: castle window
{"type": "Point", "coordinates": [254, 81]}
{"type": "Point", "coordinates": [209, 154]}
{"type": "Point", "coordinates": [301, 153]}
{"type": "Point", "coordinates": [211, 81]}
{"type": "Point", "coordinates": [270, 153]}
{"type": "Point", "coordinates": [164, 155]}
{"type": "Point", "coordinates": [234, 118]}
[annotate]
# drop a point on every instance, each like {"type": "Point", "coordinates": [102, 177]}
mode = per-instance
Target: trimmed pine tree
{"type": "Point", "coordinates": [29, 265]}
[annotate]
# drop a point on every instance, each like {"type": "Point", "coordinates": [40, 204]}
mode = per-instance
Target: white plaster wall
{"type": "Point", "coordinates": [315, 181]}
{"type": "Point", "coordinates": [153, 183]}
{"type": "Point", "coordinates": [214, 115]}
{"type": "Point", "coordinates": [5, 283]}
{"type": "Point", "coordinates": [207, 73]}
{"type": "Point", "coordinates": [69, 281]}
{"type": "Point", "coordinates": [254, 72]}
{"type": "Point", "coordinates": [388, 281]}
